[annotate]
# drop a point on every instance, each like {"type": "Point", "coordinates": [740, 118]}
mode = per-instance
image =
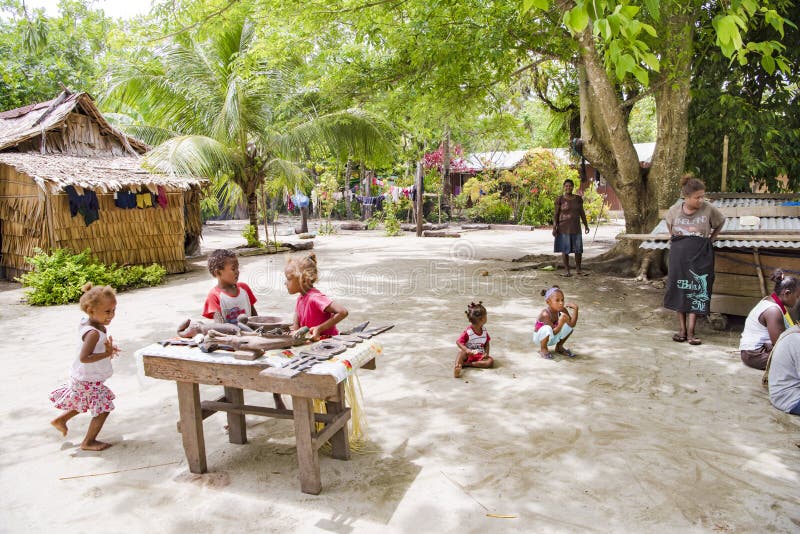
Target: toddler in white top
{"type": "Point", "coordinates": [86, 390]}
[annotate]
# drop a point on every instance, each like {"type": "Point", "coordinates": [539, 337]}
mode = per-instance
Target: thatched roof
{"type": "Point", "coordinates": [101, 172]}
{"type": "Point", "coordinates": [53, 172]}
{"type": "Point", "coordinates": [21, 124]}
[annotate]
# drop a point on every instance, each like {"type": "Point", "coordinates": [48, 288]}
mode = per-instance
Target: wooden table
{"type": "Point", "coordinates": [235, 378]}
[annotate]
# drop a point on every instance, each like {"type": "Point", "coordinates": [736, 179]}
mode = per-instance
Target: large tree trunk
{"type": "Point", "coordinates": [447, 186]}
{"type": "Point", "coordinates": [252, 207]}
{"type": "Point", "coordinates": [348, 170]}
{"type": "Point", "coordinates": [303, 220]}
{"type": "Point", "coordinates": [672, 96]}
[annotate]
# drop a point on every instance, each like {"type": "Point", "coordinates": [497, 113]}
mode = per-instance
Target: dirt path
{"type": "Point", "coordinates": [637, 433]}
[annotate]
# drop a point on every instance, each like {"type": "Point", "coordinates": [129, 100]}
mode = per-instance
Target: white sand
{"type": "Point", "coordinates": [637, 433]}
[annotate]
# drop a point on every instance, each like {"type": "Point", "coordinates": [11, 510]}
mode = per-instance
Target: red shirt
{"type": "Point", "coordinates": [310, 311]}
{"type": "Point", "coordinates": [230, 306]}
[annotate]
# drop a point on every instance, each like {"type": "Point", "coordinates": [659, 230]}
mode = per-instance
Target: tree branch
{"type": "Point", "coordinates": [196, 24]}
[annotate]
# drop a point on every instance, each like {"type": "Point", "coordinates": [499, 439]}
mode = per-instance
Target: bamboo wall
{"type": "Point", "coordinates": [121, 236]}
{"type": "Point", "coordinates": [125, 236]}
{"type": "Point", "coordinates": [22, 221]}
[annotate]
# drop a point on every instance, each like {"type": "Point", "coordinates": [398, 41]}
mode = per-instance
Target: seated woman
{"type": "Point", "coordinates": [768, 319]}
{"type": "Point", "coordinates": [784, 372]}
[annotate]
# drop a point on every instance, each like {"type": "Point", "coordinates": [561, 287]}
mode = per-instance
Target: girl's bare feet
{"type": "Point", "coordinates": [95, 445]}
{"type": "Point", "coordinates": [60, 425]}
{"type": "Point", "coordinates": [457, 370]}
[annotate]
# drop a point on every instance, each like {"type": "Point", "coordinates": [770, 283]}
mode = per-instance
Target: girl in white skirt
{"type": "Point", "coordinates": [86, 390]}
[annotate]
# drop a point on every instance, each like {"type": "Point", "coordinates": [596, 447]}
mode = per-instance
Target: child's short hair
{"type": "Point", "coordinates": [690, 184]}
{"type": "Point", "coordinates": [305, 268]}
{"type": "Point", "coordinates": [547, 293]}
{"type": "Point", "coordinates": [218, 258]}
{"type": "Point", "coordinates": [93, 295]}
{"type": "Point", "coordinates": [475, 312]}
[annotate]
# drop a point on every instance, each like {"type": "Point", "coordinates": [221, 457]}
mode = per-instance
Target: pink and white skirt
{"type": "Point", "coordinates": [80, 396]}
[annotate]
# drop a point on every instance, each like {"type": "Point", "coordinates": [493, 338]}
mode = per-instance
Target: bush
{"type": "Point", "coordinates": [491, 209]}
{"type": "Point", "coordinates": [57, 278]}
{"type": "Point", "coordinates": [593, 203]}
{"type": "Point", "coordinates": [539, 213]}
{"type": "Point", "coordinates": [250, 234]}
{"type": "Point", "coordinates": [390, 223]}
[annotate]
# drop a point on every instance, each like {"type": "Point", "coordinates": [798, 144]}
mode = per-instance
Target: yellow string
{"type": "Point", "coordinates": [357, 431]}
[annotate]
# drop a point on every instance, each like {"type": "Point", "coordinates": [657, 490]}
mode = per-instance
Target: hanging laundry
{"type": "Point", "coordinates": [300, 200]}
{"type": "Point", "coordinates": [162, 197]}
{"type": "Point", "coordinates": [84, 203]}
{"type": "Point", "coordinates": [144, 200]}
{"type": "Point", "coordinates": [290, 204]}
{"type": "Point", "coordinates": [124, 199]}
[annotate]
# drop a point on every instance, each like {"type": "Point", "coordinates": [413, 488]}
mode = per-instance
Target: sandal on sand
{"type": "Point", "coordinates": [566, 352]}
{"type": "Point", "coordinates": [678, 338]}
{"type": "Point", "coordinates": [566, 275]}
{"type": "Point", "coordinates": [695, 341]}
{"type": "Point", "coordinates": [546, 355]}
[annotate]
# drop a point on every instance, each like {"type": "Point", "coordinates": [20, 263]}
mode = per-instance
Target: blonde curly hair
{"type": "Point", "coordinates": [304, 268]}
{"type": "Point", "coordinates": [94, 295]}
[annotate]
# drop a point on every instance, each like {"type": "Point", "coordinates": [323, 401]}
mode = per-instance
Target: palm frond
{"type": "Point", "coordinates": [353, 133]}
{"type": "Point", "coordinates": [193, 156]}
{"type": "Point", "coordinates": [283, 175]}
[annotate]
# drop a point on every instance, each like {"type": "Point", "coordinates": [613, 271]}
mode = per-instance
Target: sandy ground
{"type": "Point", "coordinates": [637, 433]}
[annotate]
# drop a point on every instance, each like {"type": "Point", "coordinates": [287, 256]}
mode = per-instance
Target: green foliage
{"type": "Point", "coordinates": [491, 209]}
{"type": "Point", "coordinates": [758, 113]}
{"type": "Point", "coordinates": [209, 207]}
{"type": "Point", "coordinates": [390, 223]}
{"type": "Point", "coordinates": [250, 235]}
{"type": "Point", "coordinates": [539, 213]}
{"type": "Point", "coordinates": [593, 203]}
{"type": "Point", "coordinates": [38, 52]}
{"type": "Point", "coordinates": [57, 278]}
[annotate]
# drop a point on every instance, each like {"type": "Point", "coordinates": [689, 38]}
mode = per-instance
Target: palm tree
{"type": "Point", "coordinates": [210, 107]}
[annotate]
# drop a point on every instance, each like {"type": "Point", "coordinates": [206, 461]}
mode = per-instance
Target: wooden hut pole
{"type": "Point", "coordinates": [724, 184]}
{"type": "Point", "coordinates": [48, 206]}
{"type": "Point", "coordinates": [762, 284]}
{"type": "Point", "coordinates": [418, 199]}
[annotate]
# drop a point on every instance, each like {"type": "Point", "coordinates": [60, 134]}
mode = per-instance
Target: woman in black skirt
{"type": "Point", "coordinates": [693, 225]}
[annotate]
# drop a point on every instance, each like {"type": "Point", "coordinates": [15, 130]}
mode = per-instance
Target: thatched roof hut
{"type": "Point", "coordinates": [68, 179]}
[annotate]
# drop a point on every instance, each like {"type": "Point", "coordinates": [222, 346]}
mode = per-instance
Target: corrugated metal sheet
{"type": "Point", "coordinates": [786, 225]}
{"type": "Point", "coordinates": [746, 202]}
{"type": "Point", "coordinates": [738, 243]}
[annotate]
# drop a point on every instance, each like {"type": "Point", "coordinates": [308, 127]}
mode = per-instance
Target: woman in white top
{"type": "Point", "coordinates": [768, 319]}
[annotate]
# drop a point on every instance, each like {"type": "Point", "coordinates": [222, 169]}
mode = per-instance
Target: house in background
{"type": "Point", "coordinates": [69, 180]}
{"type": "Point", "coordinates": [508, 160]}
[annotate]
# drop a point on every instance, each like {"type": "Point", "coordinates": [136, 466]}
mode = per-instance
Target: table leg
{"type": "Point", "coordinates": [237, 430]}
{"type": "Point", "coordinates": [340, 443]}
{"type": "Point", "coordinates": [307, 456]}
{"type": "Point", "coordinates": [194, 444]}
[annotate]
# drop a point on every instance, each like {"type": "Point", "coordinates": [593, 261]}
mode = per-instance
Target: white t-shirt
{"type": "Point", "coordinates": [755, 334]}
{"type": "Point", "coordinates": [95, 371]}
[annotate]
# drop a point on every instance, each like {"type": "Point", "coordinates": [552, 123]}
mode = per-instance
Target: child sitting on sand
{"type": "Point", "coordinates": [86, 390]}
{"type": "Point", "coordinates": [555, 324]}
{"type": "Point", "coordinates": [473, 344]}
{"type": "Point", "coordinates": [313, 309]}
